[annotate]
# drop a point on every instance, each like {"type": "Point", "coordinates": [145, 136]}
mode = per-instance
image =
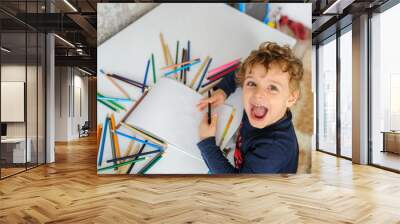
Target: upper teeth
{"type": "Point", "coordinates": [258, 105]}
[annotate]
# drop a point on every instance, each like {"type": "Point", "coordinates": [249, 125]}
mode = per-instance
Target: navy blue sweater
{"type": "Point", "coordinates": [272, 149]}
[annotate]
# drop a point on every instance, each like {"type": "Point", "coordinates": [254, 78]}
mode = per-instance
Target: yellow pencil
{"type": "Point", "coordinates": [127, 152]}
{"type": "Point", "coordinates": [118, 86]}
{"type": "Point", "coordinates": [205, 89]}
{"type": "Point", "coordinates": [143, 134]}
{"type": "Point", "coordinates": [115, 137]}
{"type": "Point", "coordinates": [164, 49]}
{"type": "Point", "coordinates": [227, 127]}
{"type": "Point", "coordinates": [199, 72]}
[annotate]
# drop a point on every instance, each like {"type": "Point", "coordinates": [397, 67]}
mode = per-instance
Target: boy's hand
{"type": "Point", "coordinates": [218, 97]}
{"type": "Point", "coordinates": [208, 130]}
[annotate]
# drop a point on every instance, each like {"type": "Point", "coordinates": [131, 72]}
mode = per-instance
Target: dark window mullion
{"type": "Point", "coordinates": [338, 98]}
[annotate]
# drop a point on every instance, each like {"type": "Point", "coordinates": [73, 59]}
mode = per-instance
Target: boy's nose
{"type": "Point", "coordinates": [259, 93]}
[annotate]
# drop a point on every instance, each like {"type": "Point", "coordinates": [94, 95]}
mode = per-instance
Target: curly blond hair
{"type": "Point", "coordinates": [269, 53]}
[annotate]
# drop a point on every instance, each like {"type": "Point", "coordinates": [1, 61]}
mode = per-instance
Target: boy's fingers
{"type": "Point", "coordinates": [214, 120]}
{"type": "Point", "coordinates": [205, 118]}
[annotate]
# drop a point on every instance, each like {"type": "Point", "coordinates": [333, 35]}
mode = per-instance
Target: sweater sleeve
{"type": "Point", "coordinates": [213, 157]}
{"type": "Point", "coordinates": [227, 84]}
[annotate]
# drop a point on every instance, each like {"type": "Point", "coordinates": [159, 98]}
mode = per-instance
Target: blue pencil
{"type": "Point", "coordinates": [138, 140]}
{"type": "Point", "coordinates": [242, 7]}
{"type": "Point", "coordinates": [181, 68]}
{"type": "Point", "coordinates": [145, 75]}
{"type": "Point", "coordinates": [204, 74]}
{"type": "Point", "coordinates": [140, 153]}
{"type": "Point", "coordinates": [188, 53]}
{"type": "Point", "coordinates": [266, 18]}
{"type": "Point", "coordinates": [114, 99]}
{"type": "Point", "coordinates": [103, 139]}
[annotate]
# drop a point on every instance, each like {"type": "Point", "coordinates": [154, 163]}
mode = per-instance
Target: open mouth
{"type": "Point", "coordinates": [258, 111]}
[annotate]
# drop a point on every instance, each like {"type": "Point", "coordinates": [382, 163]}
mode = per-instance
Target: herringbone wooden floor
{"type": "Point", "coordinates": [70, 191]}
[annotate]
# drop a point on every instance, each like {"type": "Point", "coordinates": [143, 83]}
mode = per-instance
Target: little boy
{"type": "Point", "coordinates": [266, 142]}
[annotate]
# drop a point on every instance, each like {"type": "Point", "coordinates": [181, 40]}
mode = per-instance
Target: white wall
{"type": "Point", "coordinates": [67, 114]}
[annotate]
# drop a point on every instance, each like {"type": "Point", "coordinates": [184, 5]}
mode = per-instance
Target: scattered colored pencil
{"type": "Point", "coordinates": [108, 105]}
{"type": "Point", "coordinates": [227, 126]}
{"type": "Point", "coordinates": [135, 155]}
{"type": "Point", "coordinates": [132, 108]}
{"type": "Point", "coordinates": [123, 79]}
{"type": "Point", "coordinates": [122, 164]}
{"type": "Point", "coordinates": [150, 164]}
{"type": "Point", "coordinates": [183, 59]}
{"type": "Point", "coordinates": [98, 134]}
{"type": "Point", "coordinates": [224, 72]}
{"type": "Point", "coordinates": [133, 164]}
{"type": "Point", "coordinates": [113, 151]}
{"type": "Point", "coordinates": [163, 48]}
{"type": "Point", "coordinates": [219, 76]}
{"type": "Point", "coordinates": [114, 99]}
{"type": "Point", "coordinates": [154, 68]}
{"type": "Point", "coordinates": [122, 90]}
{"type": "Point", "coordinates": [116, 143]}
{"type": "Point", "coordinates": [199, 72]}
{"type": "Point", "coordinates": [145, 75]}
{"type": "Point", "coordinates": [103, 140]}
{"type": "Point", "coordinates": [138, 140]}
{"type": "Point", "coordinates": [177, 52]}
{"type": "Point", "coordinates": [143, 134]}
{"type": "Point", "coordinates": [183, 63]}
{"type": "Point", "coordinates": [223, 67]}
{"type": "Point", "coordinates": [204, 73]}
{"type": "Point", "coordinates": [170, 60]}
{"type": "Point", "coordinates": [112, 102]}
{"type": "Point", "coordinates": [181, 68]}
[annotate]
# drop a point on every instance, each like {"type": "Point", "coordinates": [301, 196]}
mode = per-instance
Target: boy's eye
{"type": "Point", "coordinates": [273, 88]}
{"type": "Point", "coordinates": [250, 83]}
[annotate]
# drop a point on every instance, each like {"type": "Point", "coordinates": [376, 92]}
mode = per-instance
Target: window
{"type": "Point", "coordinates": [385, 89]}
{"type": "Point", "coordinates": [346, 94]}
{"type": "Point", "coordinates": [327, 97]}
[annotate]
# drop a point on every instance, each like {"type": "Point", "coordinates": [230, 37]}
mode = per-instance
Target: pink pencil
{"type": "Point", "coordinates": [223, 67]}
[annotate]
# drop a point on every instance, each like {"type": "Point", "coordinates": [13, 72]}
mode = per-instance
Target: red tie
{"type": "Point", "coordinates": [238, 154]}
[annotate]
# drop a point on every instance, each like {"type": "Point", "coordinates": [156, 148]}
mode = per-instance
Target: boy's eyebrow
{"type": "Point", "coordinates": [276, 82]}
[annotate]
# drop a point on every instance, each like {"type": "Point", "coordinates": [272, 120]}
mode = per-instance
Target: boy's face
{"type": "Point", "coordinates": [266, 95]}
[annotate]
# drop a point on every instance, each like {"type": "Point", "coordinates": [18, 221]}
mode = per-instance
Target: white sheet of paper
{"type": "Point", "coordinates": [169, 112]}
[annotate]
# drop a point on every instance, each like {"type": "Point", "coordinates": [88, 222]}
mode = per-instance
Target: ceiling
{"type": "Point", "coordinates": [331, 15]}
{"type": "Point", "coordinates": [76, 22]}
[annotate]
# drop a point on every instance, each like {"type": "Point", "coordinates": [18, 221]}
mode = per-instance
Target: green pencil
{"type": "Point", "coordinates": [122, 164]}
{"type": "Point", "coordinates": [113, 103]}
{"type": "Point", "coordinates": [107, 105]}
{"type": "Point", "coordinates": [151, 164]}
{"type": "Point", "coordinates": [154, 68]}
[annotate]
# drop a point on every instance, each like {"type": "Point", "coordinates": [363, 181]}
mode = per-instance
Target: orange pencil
{"type": "Point", "coordinates": [115, 137]}
{"type": "Point", "coordinates": [99, 129]}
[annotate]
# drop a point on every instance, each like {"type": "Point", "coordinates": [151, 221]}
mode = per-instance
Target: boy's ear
{"type": "Point", "coordinates": [294, 95]}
